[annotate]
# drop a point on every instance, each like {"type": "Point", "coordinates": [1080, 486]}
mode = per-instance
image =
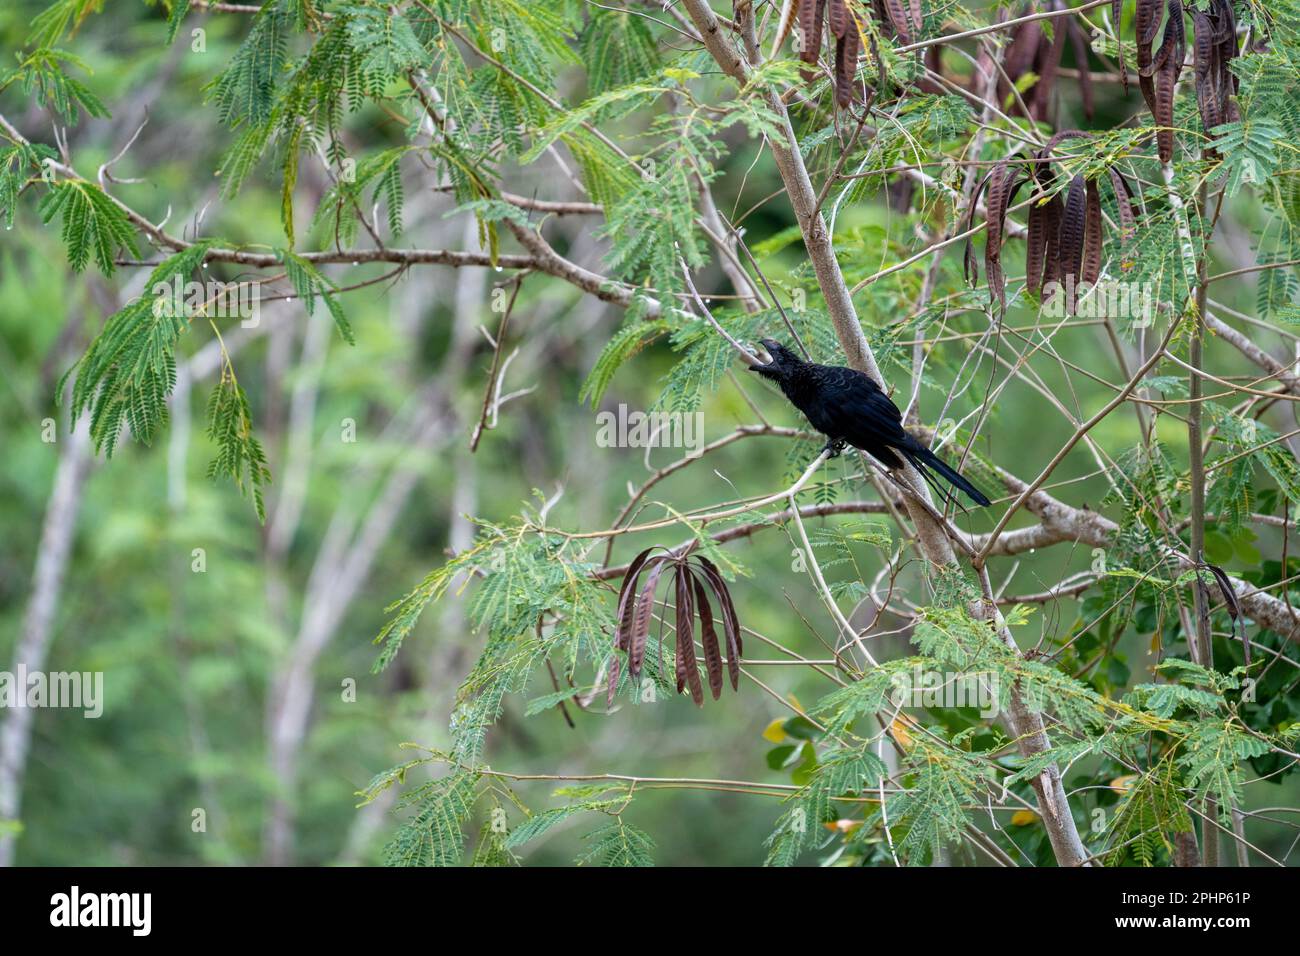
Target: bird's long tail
{"type": "Point", "coordinates": [924, 460]}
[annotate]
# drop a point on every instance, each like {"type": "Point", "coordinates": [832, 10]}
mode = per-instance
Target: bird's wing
{"type": "Point", "coordinates": [863, 414]}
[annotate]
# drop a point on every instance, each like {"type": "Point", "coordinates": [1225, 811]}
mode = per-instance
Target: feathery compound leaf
{"type": "Point", "coordinates": [129, 369]}
{"type": "Point", "coordinates": [245, 90]}
{"type": "Point", "coordinates": [176, 17]}
{"type": "Point", "coordinates": [41, 74]}
{"type": "Point", "coordinates": [309, 284]}
{"type": "Point", "coordinates": [434, 836]}
{"type": "Point", "coordinates": [239, 453]}
{"type": "Point", "coordinates": [92, 224]}
{"type": "Point", "coordinates": [619, 844]}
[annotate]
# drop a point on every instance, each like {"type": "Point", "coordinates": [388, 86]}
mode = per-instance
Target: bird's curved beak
{"type": "Point", "coordinates": [766, 354]}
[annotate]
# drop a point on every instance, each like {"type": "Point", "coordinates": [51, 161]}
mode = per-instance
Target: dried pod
{"type": "Point", "coordinates": [1035, 248]}
{"type": "Point", "coordinates": [1021, 51]}
{"type": "Point", "coordinates": [838, 15]}
{"type": "Point", "coordinates": [693, 578]}
{"type": "Point", "coordinates": [1091, 235]}
{"type": "Point", "coordinates": [811, 14]}
{"type": "Point", "coordinates": [730, 623]}
{"type": "Point", "coordinates": [1116, 16]}
{"type": "Point", "coordinates": [709, 639]}
{"type": "Point", "coordinates": [1124, 202]}
{"type": "Point", "coordinates": [1004, 185]}
{"type": "Point", "coordinates": [1205, 53]}
{"type": "Point", "coordinates": [1166, 81]}
{"type": "Point", "coordinates": [641, 616]}
{"type": "Point", "coordinates": [1071, 239]}
{"type": "Point", "coordinates": [1052, 253]}
{"type": "Point", "coordinates": [969, 266]}
{"type": "Point", "coordinates": [846, 67]}
{"type": "Point", "coordinates": [898, 20]}
{"type": "Point", "coordinates": [688, 673]}
{"type": "Point", "coordinates": [1146, 21]}
{"type": "Point", "coordinates": [1046, 64]}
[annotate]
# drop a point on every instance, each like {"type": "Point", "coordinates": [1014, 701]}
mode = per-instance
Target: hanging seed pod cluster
{"type": "Point", "coordinates": [1031, 50]}
{"type": "Point", "coordinates": [1064, 242]}
{"type": "Point", "coordinates": [841, 17]}
{"type": "Point", "coordinates": [693, 578]}
{"type": "Point", "coordinates": [1214, 48]}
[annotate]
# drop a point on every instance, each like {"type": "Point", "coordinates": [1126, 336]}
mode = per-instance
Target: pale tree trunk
{"type": "Point", "coordinates": [57, 533]}
{"type": "Point", "coordinates": [345, 560]}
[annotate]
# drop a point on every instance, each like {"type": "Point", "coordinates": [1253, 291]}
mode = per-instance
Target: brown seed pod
{"type": "Point", "coordinates": [1205, 52]}
{"type": "Point", "coordinates": [784, 22]}
{"type": "Point", "coordinates": [1116, 17]}
{"type": "Point", "coordinates": [1071, 239]}
{"type": "Point", "coordinates": [1124, 202]}
{"type": "Point", "coordinates": [838, 12]}
{"type": "Point", "coordinates": [1035, 247]}
{"type": "Point", "coordinates": [1052, 266]}
{"type": "Point", "coordinates": [730, 623]}
{"type": "Point", "coordinates": [811, 14]}
{"type": "Point", "coordinates": [898, 20]}
{"type": "Point", "coordinates": [969, 266]}
{"type": "Point", "coordinates": [641, 616]}
{"type": "Point", "coordinates": [846, 66]}
{"type": "Point", "coordinates": [1046, 65]}
{"type": "Point", "coordinates": [1001, 192]}
{"type": "Point", "coordinates": [688, 673]}
{"type": "Point", "coordinates": [1092, 235]}
{"type": "Point", "coordinates": [1146, 21]}
{"type": "Point", "coordinates": [693, 577]}
{"type": "Point", "coordinates": [1166, 81]}
{"type": "Point", "coordinates": [1022, 49]}
{"type": "Point", "coordinates": [708, 638]}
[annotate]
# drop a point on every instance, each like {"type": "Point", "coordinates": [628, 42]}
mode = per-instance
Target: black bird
{"type": "Point", "coordinates": [849, 408]}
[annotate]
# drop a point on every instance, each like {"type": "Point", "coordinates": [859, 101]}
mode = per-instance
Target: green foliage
{"type": "Point", "coordinates": [41, 73]}
{"type": "Point", "coordinates": [91, 223]}
{"type": "Point", "coordinates": [310, 286]}
{"type": "Point", "coordinates": [245, 91]}
{"type": "Point", "coordinates": [16, 162]}
{"type": "Point", "coordinates": [239, 454]}
{"type": "Point", "coordinates": [129, 369]}
{"type": "Point", "coordinates": [619, 844]}
{"type": "Point", "coordinates": [434, 834]}
{"type": "Point", "coordinates": [1151, 810]}
{"type": "Point", "coordinates": [1249, 151]}
{"type": "Point", "coordinates": [617, 49]}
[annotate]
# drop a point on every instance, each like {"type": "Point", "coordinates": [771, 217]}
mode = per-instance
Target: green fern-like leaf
{"type": "Point", "coordinates": [239, 454]}
{"type": "Point", "coordinates": [92, 224]}
{"type": "Point", "coordinates": [619, 844]}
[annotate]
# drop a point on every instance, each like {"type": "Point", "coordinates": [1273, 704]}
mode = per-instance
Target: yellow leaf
{"type": "Point", "coordinates": [1122, 784]}
{"type": "Point", "coordinates": [842, 826]}
{"type": "Point", "coordinates": [1023, 818]}
{"type": "Point", "coordinates": [900, 725]}
{"type": "Point", "coordinates": [775, 731]}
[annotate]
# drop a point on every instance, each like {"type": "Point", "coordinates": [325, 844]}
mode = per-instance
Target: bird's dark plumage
{"type": "Point", "coordinates": [849, 408]}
